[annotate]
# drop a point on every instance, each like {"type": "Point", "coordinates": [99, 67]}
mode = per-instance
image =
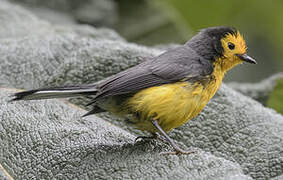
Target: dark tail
{"type": "Point", "coordinates": [56, 92]}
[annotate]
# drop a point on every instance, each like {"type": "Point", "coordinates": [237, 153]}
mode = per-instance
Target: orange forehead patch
{"type": "Point", "coordinates": [238, 40]}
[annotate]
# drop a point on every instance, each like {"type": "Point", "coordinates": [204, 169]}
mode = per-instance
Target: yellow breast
{"type": "Point", "coordinates": [171, 104]}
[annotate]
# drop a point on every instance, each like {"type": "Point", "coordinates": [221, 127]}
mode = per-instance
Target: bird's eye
{"type": "Point", "coordinates": [231, 46]}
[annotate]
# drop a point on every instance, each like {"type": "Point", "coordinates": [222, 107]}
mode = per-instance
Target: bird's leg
{"type": "Point", "coordinates": [177, 149]}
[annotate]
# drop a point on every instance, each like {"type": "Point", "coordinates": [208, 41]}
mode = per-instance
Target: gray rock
{"type": "Point", "coordinates": [18, 22]}
{"type": "Point", "coordinates": [240, 129]}
{"type": "Point", "coordinates": [258, 91]}
{"type": "Point", "coordinates": [51, 15]}
{"type": "Point", "coordinates": [232, 126]}
{"type": "Point", "coordinates": [55, 50]}
{"type": "Point", "coordinates": [277, 178]}
{"type": "Point", "coordinates": [237, 128]}
{"type": "Point", "coordinates": [4, 174]}
{"type": "Point", "coordinates": [64, 59]}
{"type": "Point", "coordinates": [62, 5]}
{"type": "Point", "coordinates": [49, 139]}
{"type": "Point", "coordinates": [89, 31]}
{"type": "Point", "coordinates": [52, 135]}
{"type": "Point", "coordinates": [95, 12]}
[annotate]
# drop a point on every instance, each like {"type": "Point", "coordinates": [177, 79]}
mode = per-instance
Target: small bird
{"type": "Point", "coordinates": [166, 91]}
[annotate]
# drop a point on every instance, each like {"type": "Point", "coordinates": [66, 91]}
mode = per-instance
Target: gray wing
{"type": "Point", "coordinates": [172, 66]}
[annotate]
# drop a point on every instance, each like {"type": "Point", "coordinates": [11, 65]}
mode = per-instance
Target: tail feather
{"type": "Point", "coordinates": [56, 92]}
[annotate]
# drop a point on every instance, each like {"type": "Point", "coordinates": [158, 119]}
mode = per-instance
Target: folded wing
{"type": "Point", "coordinates": [178, 64]}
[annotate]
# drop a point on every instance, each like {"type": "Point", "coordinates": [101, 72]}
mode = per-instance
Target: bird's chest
{"type": "Point", "coordinates": [172, 104]}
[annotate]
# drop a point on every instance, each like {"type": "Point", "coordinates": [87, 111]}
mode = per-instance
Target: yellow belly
{"type": "Point", "coordinates": [171, 104]}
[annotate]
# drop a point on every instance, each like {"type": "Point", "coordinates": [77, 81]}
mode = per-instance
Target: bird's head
{"type": "Point", "coordinates": [225, 46]}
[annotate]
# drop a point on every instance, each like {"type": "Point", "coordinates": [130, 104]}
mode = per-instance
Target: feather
{"type": "Point", "coordinates": [172, 66]}
{"type": "Point", "coordinates": [55, 92]}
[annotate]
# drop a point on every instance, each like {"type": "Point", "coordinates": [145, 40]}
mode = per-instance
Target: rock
{"type": "Point", "coordinates": [51, 15]}
{"type": "Point", "coordinates": [49, 139]}
{"type": "Point", "coordinates": [277, 178]}
{"type": "Point", "coordinates": [239, 129]}
{"type": "Point", "coordinates": [258, 91]}
{"type": "Point", "coordinates": [64, 59]}
{"type": "Point", "coordinates": [55, 50]}
{"type": "Point", "coordinates": [99, 33]}
{"type": "Point", "coordinates": [62, 5]}
{"type": "Point", "coordinates": [233, 136]}
{"type": "Point", "coordinates": [18, 22]}
{"type": "Point", "coordinates": [95, 12]}
{"type": "Point", "coordinates": [4, 174]}
{"type": "Point", "coordinates": [136, 20]}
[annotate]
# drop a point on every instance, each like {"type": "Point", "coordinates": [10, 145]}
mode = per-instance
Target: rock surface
{"type": "Point", "coordinates": [258, 91]}
{"type": "Point", "coordinates": [4, 174]}
{"type": "Point", "coordinates": [43, 139]}
{"type": "Point", "coordinates": [235, 137]}
{"type": "Point", "coordinates": [95, 12]}
{"type": "Point", "coordinates": [18, 22]}
{"type": "Point", "coordinates": [50, 54]}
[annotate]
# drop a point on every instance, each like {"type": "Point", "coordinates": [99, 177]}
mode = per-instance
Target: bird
{"type": "Point", "coordinates": [166, 91]}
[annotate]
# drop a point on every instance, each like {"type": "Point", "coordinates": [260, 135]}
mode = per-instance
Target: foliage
{"type": "Point", "coordinates": [276, 97]}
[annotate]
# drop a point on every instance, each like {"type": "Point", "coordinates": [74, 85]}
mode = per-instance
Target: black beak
{"type": "Point", "coordinates": [246, 58]}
